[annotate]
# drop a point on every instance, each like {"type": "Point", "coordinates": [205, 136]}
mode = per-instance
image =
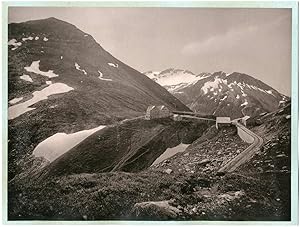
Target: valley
{"type": "Point", "coordinates": [90, 138]}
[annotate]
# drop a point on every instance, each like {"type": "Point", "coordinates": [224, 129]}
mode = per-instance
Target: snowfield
{"type": "Point", "coordinates": [177, 79]}
{"type": "Point", "coordinates": [213, 85]}
{"type": "Point", "coordinates": [58, 144]}
{"type": "Point", "coordinates": [26, 78]}
{"type": "Point", "coordinates": [170, 152]}
{"type": "Point", "coordinates": [35, 68]}
{"type": "Point", "coordinates": [19, 109]}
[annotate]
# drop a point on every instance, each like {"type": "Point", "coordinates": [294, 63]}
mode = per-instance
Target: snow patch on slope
{"type": "Point", "coordinates": [13, 42]}
{"type": "Point", "coordinates": [59, 143]}
{"type": "Point", "coordinates": [26, 78]}
{"type": "Point", "coordinates": [244, 103]}
{"type": "Point", "coordinates": [101, 77]}
{"type": "Point", "coordinates": [79, 69]}
{"type": "Point", "coordinates": [223, 98]}
{"type": "Point", "coordinates": [113, 65]}
{"type": "Point", "coordinates": [28, 38]}
{"type": "Point", "coordinates": [19, 109]}
{"type": "Point", "coordinates": [35, 68]}
{"type": "Point", "coordinates": [213, 84]}
{"type": "Point", "coordinates": [170, 152]}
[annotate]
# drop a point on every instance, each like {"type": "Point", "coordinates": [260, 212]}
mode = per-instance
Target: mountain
{"type": "Point", "coordinates": [220, 93]}
{"type": "Point", "coordinates": [61, 80]}
{"type": "Point", "coordinates": [175, 79]}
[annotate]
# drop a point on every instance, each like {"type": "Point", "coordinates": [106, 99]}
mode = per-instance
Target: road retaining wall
{"type": "Point", "coordinates": [244, 135]}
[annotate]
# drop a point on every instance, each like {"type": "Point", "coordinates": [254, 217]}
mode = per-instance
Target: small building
{"type": "Point", "coordinates": [154, 112]}
{"type": "Point", "coordinates": [151, 113]}
{"type": "Point", "coordinates": [244, 120]}
{"type": "Point", "coordinates": [225, 121]}
{"type": "Point", "coordinates": [163, 111]}
{"type": "Point", "coordinates": [177, 117]}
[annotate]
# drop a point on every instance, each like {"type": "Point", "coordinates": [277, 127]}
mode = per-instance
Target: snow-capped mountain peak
{"type": "Point", "coordinates": [174, 79]}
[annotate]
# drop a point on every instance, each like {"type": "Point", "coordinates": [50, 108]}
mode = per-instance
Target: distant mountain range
{"type": "Point", "coordinates": [220, 94]}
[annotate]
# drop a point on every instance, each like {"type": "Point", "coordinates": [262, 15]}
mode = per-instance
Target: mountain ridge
{"type": "Point", "coordinates": [101, 89]}
{"type": "Point", "coordinates": [208, 93]}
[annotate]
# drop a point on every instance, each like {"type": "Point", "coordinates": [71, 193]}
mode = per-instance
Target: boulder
{"type": "Point", "coordinates": [203, 162]}
{"type": "Point", "coordinates": [168, 171]}
{"type": "Point", "coordinates": [155, 210]}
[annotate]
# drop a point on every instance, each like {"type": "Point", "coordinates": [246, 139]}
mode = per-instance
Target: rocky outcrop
{"type": "Point", "coordinates": [160, 210]}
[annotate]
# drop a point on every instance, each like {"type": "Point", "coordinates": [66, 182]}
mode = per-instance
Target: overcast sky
{"type": "Point", "coordinates": [252, 41]}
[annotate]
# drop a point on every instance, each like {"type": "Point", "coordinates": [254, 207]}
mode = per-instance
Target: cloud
{"type": "Point", "coordinates": [235, 37]}
{"type": "Point", "coordinates": [219, 42]}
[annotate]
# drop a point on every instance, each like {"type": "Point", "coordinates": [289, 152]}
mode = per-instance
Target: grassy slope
{"type": "Point", "coordinates": [200, 195]}
{"type": "Point", "coordinates": [130, 145]}
{"type": "Point", "coordinates": [93, 102]}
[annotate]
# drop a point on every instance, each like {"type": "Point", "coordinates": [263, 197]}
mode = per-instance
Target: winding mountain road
{"type": "Point", "coordinates": [243, 157]}
{"type": "Point", "coordinates": [231, 165]}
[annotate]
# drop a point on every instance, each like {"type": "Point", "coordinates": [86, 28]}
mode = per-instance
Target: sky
{"type": "Point", "coordinates": [252, 41]}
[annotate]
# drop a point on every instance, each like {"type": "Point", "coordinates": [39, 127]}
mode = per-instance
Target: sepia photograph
{"type": "Point", "coordinates": [150, 113]}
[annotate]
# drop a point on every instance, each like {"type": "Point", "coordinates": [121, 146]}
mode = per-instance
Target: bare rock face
{"type": "Point", "coordinates": [158, 210]}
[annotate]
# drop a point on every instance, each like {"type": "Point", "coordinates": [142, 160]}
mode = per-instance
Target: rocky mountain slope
{"type": "Point", "coordinates": [219, 93]}
{"type": "Point", "coordinates": [183, 187]}
{"type": "Point", "coordinates": [61, 80]}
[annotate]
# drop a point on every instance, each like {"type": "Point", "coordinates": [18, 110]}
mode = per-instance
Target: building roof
{"type": "Point", "coordinates": [223, 120]}
{"type": "Point", "coordinates": [246, 118]}
{"type": "Point", "coordinates": [161, 107]}
{"type": "Point", "coordinates": [150, 108]}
